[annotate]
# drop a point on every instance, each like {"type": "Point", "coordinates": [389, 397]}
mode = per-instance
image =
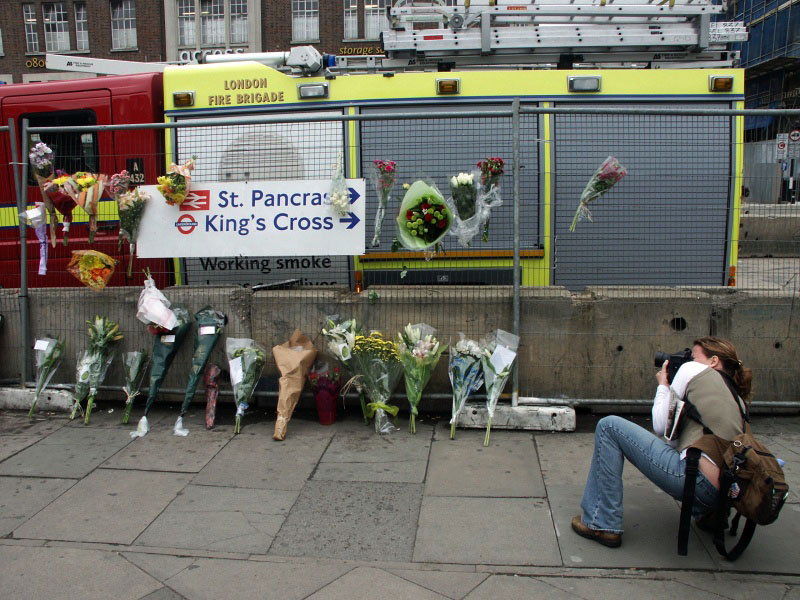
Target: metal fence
{"type": "Point", "coordinates": [670, 255]}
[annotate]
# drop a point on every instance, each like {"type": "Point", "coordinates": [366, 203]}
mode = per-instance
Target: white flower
{"type": "Point", "coordinates": [465, 178]}
{"type": "Point", "coordinates": [340, 201]}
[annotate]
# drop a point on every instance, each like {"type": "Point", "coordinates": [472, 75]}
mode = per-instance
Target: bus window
{"type": "Point", "coordinates": [73, 151]}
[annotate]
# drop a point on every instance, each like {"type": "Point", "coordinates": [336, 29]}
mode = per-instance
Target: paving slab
{"type": "Point", "coordinates": [773, 548]}
{"type": "Point", "coordinates": [11, 444]}
{"type": "Point", "coordinates": [159, 566]}
{"type": "Point", "coordinates": [495, 531]}
{"type": "Point", "coordinates": [452, 584]}
{"type": "Point", "coordinates": [212, 579]}
{"type": "Point", "coordinates": [18, 423]}
{"type": "Point", "coordinates": [352, 520]}
{"type": "Point", "coordinates": [513, 586]}
{"type": "Point", "coordinates": [650, 538]}
{"type": "Point", "coordinates": [164, 593]}
{"type": "Point", "coordinates": [565, 459]}
{"type": "Point", "coordinates": [254, 460]}
{"type": "Point", "coordinates": [107, 506]}
{"type": "Point", "coordinates": [68, 452]}
{"type": "Point", "coordinates": [729, 585]}
{"type": "Point", "coordinates": [599, 588]}
{"type": "Point", "coordinates": [23, 497]}
{"type": "Point", "coordinates": [354, 442]}
{"type": "Point", "coordinates": [216, 518]}
{"type": "Point", "coordinates": [161, 450]}
{"type": "Point", "coordinates": [109, 414]}
{"type": "Point", "coordinates": [367, 583]}
{"type": "Point", "coordinates": [68, 573]}
{"type": "Point", "coordinates": [508, 467]}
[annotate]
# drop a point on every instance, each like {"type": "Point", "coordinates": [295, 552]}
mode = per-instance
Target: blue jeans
{"type": "Point", "coordinates": [616, 439]}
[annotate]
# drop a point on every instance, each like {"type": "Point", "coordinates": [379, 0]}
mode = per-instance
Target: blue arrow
{"type": "Point", "coordinates": [352, 219]}
{"type": "Point", "coordinates": [354, 195]}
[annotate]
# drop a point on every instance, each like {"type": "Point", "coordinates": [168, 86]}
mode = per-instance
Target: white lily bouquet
{"type": "Point", "coordinates": [468, 207]}
{"type": "Point", "coordinates": [466, 375]}
{"type": "Point", "coordinates": [497, 359]}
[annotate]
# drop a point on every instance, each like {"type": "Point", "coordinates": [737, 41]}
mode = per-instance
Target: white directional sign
{"type": "Point", "coordinates": [260, 218]}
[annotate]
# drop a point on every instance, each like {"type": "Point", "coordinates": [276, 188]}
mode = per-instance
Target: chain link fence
{"type": "Point", "coordinates": [676, 250]}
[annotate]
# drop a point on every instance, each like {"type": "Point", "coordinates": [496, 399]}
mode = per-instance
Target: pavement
{"type": "Point", "coordinates": [340, 512]}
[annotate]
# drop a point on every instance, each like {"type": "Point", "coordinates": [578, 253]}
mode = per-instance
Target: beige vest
{"type": "Point", "coordinates": [714, 401]}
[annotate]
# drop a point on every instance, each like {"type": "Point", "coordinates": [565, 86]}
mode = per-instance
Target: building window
{"type": "Point", "coordinates": [350, 19]}
{"type": "Point", "coordinates": [1, 43]}
{"type": "Point", "coordinates": [123, 24]}
{"type": "Point", "coordinates": [186, 19]}
{"type": "Point", "coordinates": [31, 28]}
{"type": "Point", "coordinates": [375, 19]}
{"type": "Point", "coordinates": [238, 21]}
{"type": "Point", "coordinates": [305, 20]}
{"type": "Point", "coordinates": [212, 22]}
{"type": "Point", "coordinates": [56, 28]}
{"type": "Point", "coordinates": [81, 26]}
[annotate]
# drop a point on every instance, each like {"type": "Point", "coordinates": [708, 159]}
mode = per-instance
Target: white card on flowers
{"type": "Point", "coordinates": [208, 330]}
{"type": "Point", "coordinates": [41, 345]}
{"type": "Point", "coordinates": [167, 339]}
{"type": "Point", "coordinates": [237, 374]}
{"type": "Point", "coordinates": [502, 358]}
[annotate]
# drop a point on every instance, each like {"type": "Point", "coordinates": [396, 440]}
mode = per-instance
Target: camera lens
{"type": "Point", "coordinates": [660, 358]}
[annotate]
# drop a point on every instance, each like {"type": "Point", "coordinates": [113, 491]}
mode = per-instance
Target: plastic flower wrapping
{"type": "Point", "coordinates": [135, 366]}
{"type": "Point", "coordinates": [93, 364]}
{"type": "Point", "coordinates": [466, 375]}
{"type": "Point", "coordinates": [131, 205]}
{"type": "Point", "coordinates": [419, 353]}
{"type": "Point", "coordinates": [492, 170]}
{"type": "Point", "coordinates": [87, 189]}
{"type": "Point", "coordinates": [383, 178]}
{"type": "Point", "coordinates": [377, 367]}
{"type": "Point", "coordinates": [603, 179]}
{"type": "Point", "coordinates": [36, 217]}
{"type": "Point", "coordinates": [498, 357]}
{"type": "Point", "coordinates": [246, 360]}
{"type": "Point", "coordinates": [175, 185]}
{"type": "Point", "coordinates": [339, 194]}
{"type": "Point", "coordinates": [153, 308]}
{"type": "Point", "coordinates": [424, 217]}
{"type": "Point", "coordinates": [92, 268]}
{"type": "Point", "coordinates": [49, 352]}
{"type": "Point", "coordinates": [468, 207]}
{"type": "Point", "coordinates": [55, 195]}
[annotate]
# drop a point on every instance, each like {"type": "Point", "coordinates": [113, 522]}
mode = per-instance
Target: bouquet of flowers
{"type": "Point", "coordinates": [341, 338]}
{"type": "Point", "coordinates": [339, 195]}
{"type": "Point", "coordinates": [384, 176]}
{"type": "Point", "coordinates": [165, 347]}
{"type": "Point", "coordinates": [210, 324]}
{"type": "Point", "coordinates": [62, 202]}
{"type": "Point", "coordinates": [135, 365]}
{"type": "Point", "coordinates": [131, 205]}
{"type": "Point", "coordinates": [466, 375]}
{"type": "Point", "coordinates": [175, 184]}
{"type": "Point", "coordinates": [293, 359]}
{"type": "Point", "coordinates": [246, 359]}
{"type": "Point", "coordinates": [210, 378]}
{"type": "Point", "coordinates": [87, 189]}
{"type": "Point", "coordinates": [41, 161]}
{"type": "Point", "coordinates": [497, 359]}
{"type": "Point", "coordinates": [325, 384]}
{"type": "Point", "coordinates": [153, 308]}
{"type": "Point", "coordinates": [377, 367]}
{"type": "Point", "coordinates": [491, 170]}
{"type": "Point", "coordinates": [48, 358]}
{"type": "Point", "coordinates": [37, 218]}
{"type": "Point", "coordinates": [92, 268]}
{"type": "Point", "coordinates": [603, 179]}
{"type": "Point", "coordinates": [103, 333]}
{"type": "Point", "coordinates": [419, 353]}
{"type": "Point", "coordinates": [468, 207]}
{"type": "Point", "coordinates": [424, 217]}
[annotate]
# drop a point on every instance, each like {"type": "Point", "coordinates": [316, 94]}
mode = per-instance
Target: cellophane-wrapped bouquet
{"type": "Point", "coordinates": [49, 352]}
{"type": "Point", "coordinates": [468, 207]}
{"type": "Point", "coordinates": [424, 217]}
{"type": "Point", "coordinates": [246, 359]}
{"type": "Point", "coordinates": [340, 338]}
{"type": "Point", "coordinates": [339, 194]}
{"type": "Point", "coordinates": [62, 201]}
{"type": "Point", "coordinates": [466, 375]}
{"type": "Point", "coordinates": [103, 334]}
{"type": "Point", "coordinates": [153, 308]}
{"type": "Point", "coordinates": [377, 366]}
{"type": "Point", "coordinates": [41, 160]}
{"type": "Point", "coordinates": [92, 268]}
{"type": "Point", "coordinates": [419, 353]}
{"type": "Point", "coordinates": [603, 179]}
{"type": "Point", "coordinates": [87, 189]}
{"type": "Point", "coordinates": [498, 357]}
{"type": "Point", "coordinates": [131, 205]}
{"type": "Point", "coordinates": [492, 170]}
{"type": "Point", "coordinates": [135, 366]}
{"type": "Point", "coordinates": [175, 185]}
{"type": "Point", "coordinates": [383, 177]}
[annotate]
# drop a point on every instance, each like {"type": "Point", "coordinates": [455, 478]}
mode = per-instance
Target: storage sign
{"type": "Point", "coordinates": [261, 218]}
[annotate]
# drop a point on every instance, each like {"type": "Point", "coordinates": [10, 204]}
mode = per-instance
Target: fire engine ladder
{"type": "Point", "coordinates": [564, 33]}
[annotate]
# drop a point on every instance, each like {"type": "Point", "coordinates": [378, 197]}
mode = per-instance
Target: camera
{"type": "Point", "coordinates": [675, 361]}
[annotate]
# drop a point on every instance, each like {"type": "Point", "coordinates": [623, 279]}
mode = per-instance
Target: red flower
{"type": "Point", "coordinates": [442, 224]}
{"type": "Point", "coordinates": [429, 217]}
{"type": "Point", "coordinates": [409, 215]}
{"type": "Point", "coordinates": [425, 206]}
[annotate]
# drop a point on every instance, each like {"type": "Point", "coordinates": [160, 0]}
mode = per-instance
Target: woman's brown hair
{"type": "Point", "coordinates": [726, 353]}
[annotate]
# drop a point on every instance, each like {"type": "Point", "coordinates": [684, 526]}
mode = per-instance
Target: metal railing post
{"type": "Point", "coordinates": [515, 149]}
{"type": "Point", "coordinates": [20, 170]}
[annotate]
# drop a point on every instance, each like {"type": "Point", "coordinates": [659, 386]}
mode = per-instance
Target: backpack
{"type": "Point", "coordinates": [751, 482]}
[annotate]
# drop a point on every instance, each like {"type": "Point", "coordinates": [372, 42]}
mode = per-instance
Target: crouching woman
{"type": "Point", "coordinates": [708, 380]}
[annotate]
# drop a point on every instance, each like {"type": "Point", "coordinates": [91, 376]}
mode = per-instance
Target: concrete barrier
{"type": "Point", "coordinates": [598, 343]}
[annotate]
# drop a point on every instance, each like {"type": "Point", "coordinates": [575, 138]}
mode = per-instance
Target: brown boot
{"type": "Point", "coordinates": [607, 538]}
